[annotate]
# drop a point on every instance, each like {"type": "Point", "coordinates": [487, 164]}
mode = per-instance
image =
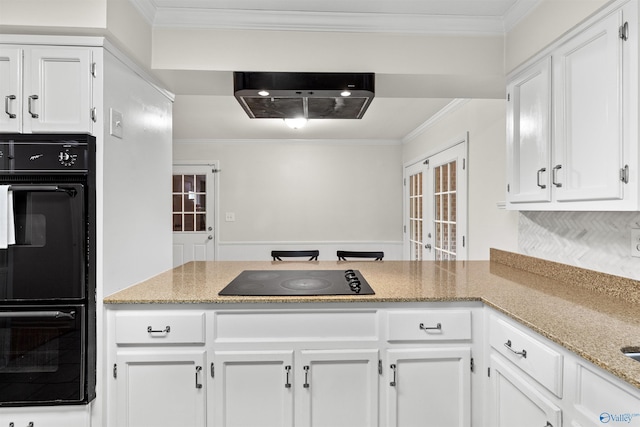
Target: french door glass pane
{"type": "Point", "coordinates": [445, 202]}
{"type": "Point", "coordinates": [415, 215]}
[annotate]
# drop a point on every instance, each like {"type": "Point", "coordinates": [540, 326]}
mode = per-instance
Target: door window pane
{"type": "Point", "coordinates": [189, 203]}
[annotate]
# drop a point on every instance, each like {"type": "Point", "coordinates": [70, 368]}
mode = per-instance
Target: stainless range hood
{"type": "Point", "coordinates": [283, 95]}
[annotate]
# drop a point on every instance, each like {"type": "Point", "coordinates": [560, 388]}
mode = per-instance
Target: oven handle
{"type": "Point", "coordinates": [52, 313]}
{"type": "Point", "coordinates": [70, 191]}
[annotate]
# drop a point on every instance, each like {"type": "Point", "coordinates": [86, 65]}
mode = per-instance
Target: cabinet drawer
{"type": "Point", "coordinates": [528, 353]}
{"type": "Point", "coordinates": [429, 325]}
{"type": "Point", "coordinates": [308, 325]}
{"type": "Point", "coordinates": [168, 327]}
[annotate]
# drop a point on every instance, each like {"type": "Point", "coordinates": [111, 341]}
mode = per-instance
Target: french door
{"type": "Point", "coordinates": [436, 206]}
{"type": "Point", "coordinates": [193, 213]}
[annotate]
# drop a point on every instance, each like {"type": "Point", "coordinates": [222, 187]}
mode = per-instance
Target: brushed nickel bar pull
{"type": "Point", "coordinates": [522, 353]}
{"type": "Point", "coordinates": [287, 383]}
{"type": "Point", "coordinates": [556, 168]}
{"type": "Point", "coordinates": [393, 368]}
{"type": "Point", "coordinates": [543, 186]}
{"type": "Point", "coordinates": [198, 371]}
{"type": "Point", "coordinates": [30, 105]}
{"type": "Point", "coordinates": [306, 376]}
{"type": "Point", "coordinates": [166, 330]}
{"type": "Point", "coordinates": [6, 105]}
{"type": "Point", "coordinates": [438, 327]}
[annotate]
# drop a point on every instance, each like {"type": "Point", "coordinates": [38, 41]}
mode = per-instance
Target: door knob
{"type": "Point", "coordinates": [210, 237]}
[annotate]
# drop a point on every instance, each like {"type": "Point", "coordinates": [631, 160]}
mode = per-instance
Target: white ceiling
{"type": "Point", "coordinates": [391, 116]}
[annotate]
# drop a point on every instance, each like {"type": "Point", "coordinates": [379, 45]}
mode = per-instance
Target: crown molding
{"type": "Point", "coordinates": [519, 10]}
{"type": "Point", "coordinates": [332, 21]}
{"type": "Point", "coordinates": [446, 110]}
{"type": "Point", "coordinates": [321, 21]}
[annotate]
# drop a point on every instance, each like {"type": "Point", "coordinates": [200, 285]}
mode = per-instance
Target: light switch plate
{"type": "Point", "coordinates": [115, 123]}
{"type": "Point", "coordinates": [230, 217]}
{"type": "Point", "coordinates": [635, 242]}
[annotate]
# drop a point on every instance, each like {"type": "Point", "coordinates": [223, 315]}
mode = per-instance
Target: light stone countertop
{"type": "Point", "coordinates": [591, 314]}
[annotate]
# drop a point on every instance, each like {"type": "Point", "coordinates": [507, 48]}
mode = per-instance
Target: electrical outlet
{"type": "Point", "coordinates": [635, 242]}
{"type": "Point", "coordinates": [230, 217]}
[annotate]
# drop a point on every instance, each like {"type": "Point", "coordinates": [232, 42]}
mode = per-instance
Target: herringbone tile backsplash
{"type": "Point", "coordinates": [598, 241]}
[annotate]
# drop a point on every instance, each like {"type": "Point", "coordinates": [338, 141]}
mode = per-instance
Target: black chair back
{"type": "Point", "coordinates": [343, 255]}
{"type": "Point", "coordinates": [277, 255]}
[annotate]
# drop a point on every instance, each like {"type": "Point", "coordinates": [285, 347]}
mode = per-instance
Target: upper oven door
{"type": "Point", "coordinates": [49, 259]}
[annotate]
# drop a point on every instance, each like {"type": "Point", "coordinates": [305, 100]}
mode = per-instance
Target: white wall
{"type": "Point", "coordinates": [54, 14]}
{"type": "Point", "coordinates": [547, 22]}
{"type": "Point", "coordinates": [136, 180]}
{"type": "Point", "coordinates": [292, 193]}
{"type": "Point", "coordinates": [489, 227]}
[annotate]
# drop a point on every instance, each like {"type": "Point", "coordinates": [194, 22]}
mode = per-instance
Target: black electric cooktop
{"type": "Point", "coordinates": [298, 282]}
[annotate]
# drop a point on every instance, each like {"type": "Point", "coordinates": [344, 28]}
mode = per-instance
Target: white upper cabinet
{"type": "Point", "coordinates": [47, 89]}
{"type": "Point", "coordinates": [529, 134]}
{"type": "Point", "coordinates": [588, 150]}
{"type": "Point", "coordinates": [572, 124]}
{"type": "Point", "coordinates": [11, 89]}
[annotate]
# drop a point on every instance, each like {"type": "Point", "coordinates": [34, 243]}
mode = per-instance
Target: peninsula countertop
{"type": "Point", "coordinates": [591, 314]}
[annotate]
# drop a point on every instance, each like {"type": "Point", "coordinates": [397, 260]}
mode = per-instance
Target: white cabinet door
{"type": "Point", "coordinates": [57, 89]}
{"type": "Point", "coordinates": [253, 388]}
{"type": "Point", "coordinates": [515, 402]}
{"type": "Point", "coordinates": [588, 142]}
{"type": "Point", "coordinates": [338, 388]}
{"type": "Point", "coordinates": [529, 135]}
{"type": "Point", "coordinates": [429, 387]}
{"type": "Point", "coordinates": [11, 89]}
{"type": "Point", "coordinates": [156, 388]}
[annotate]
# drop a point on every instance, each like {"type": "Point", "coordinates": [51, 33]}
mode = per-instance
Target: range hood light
{"type": "Point", "coordinates": [263, 93]}
{"type": "Point", "coordinates": [296, 123]}
{"type": "Point", "coordinates": [345, 93]}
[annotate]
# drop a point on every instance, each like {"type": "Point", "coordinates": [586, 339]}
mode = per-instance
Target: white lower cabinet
{"type": "Point", "coordinates": [310, 366]}
{"type": "Point", "coordinates": [160, 388]}
{"type": "Point", "coordinates": [514, 401]}
{"type": "Point", "coordinates": [158, 369]}
{"type": "Point", "coordinates": [337, 388]}
{"type": "Point", "coordinates": [331, 388]}
{"type": "Point", "coordinates": [252, 388]}
{"type": "Point", "coordinates": [429, 387]}
{"type": "Point", "coordinates": [599, 399]}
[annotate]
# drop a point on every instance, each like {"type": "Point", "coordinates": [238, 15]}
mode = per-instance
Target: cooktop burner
{"type": "Point", "coordinates": [298, 282]}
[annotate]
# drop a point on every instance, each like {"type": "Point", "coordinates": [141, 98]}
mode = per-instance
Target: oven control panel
{"type": "Point", "coordinates": [30, 156]}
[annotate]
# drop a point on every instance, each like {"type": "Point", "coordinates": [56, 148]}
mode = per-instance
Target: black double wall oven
{"type": "Point", "coordinates": [47, 270]}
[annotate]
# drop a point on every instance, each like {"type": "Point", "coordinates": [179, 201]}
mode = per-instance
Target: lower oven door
{"type": "Point", "coordinates": [49, 259]}
{"type": "Point", "coordinates": [42, 355]}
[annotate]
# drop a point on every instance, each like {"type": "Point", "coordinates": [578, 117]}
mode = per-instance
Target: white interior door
{"type": "Point", "coordinates": [193, 192]}
{"type": "Point", "coordinates": [436, 206]}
